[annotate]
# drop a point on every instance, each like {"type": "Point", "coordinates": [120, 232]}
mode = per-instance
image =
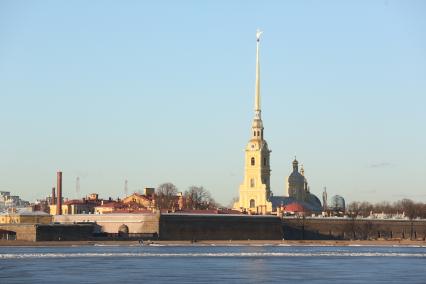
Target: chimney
{"type": "Point", "coordinates": [59, 187]}
{"type": "Point", "coordinates": [53, 201]}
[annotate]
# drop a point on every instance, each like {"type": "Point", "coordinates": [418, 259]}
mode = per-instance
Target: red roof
{"type": "Point", "coordinates": [130, 211]}
{"type": "Point", "coordinates": [208, 211]}
{"type": "Point", "coordinates": [109, 204]}
{"type": "Point", "coordinates": [146, 197]}
{"type": "Point", "coordinates": [74, 201]}
{"type": "Point", "coordinates": [81, 201]}
{"type": "Point", "coordinates": [294, 207]}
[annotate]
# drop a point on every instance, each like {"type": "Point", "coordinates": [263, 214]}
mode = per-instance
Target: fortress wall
{"type": "Point", "coordinates": [328, 228]}
{"type": "Point", "coordinates": [64, 232]}
{"type": "Point", "coordinates": [24, 232]}
{"type": "Point", "coordinates": [51, 232]}
{"type": "Point", "coordinates": [110, 223]}
{"type": "Point", "coordinates": [219, 227]}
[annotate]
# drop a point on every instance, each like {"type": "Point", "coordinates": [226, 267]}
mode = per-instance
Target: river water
{"type": "Point", "coordinates": [213, 264]}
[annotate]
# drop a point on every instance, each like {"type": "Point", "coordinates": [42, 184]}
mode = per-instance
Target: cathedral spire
{"type": "Point", "coordinates": [255, 190]}
{"type": "Point", "coordinates": [257, 95]}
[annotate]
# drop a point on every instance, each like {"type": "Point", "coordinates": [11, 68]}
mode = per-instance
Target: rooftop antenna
{"type": "Point", "coordinates": [77, 185]}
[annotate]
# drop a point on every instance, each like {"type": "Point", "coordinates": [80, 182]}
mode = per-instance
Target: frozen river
{"type": "Point", "coordinates": [212, 264]}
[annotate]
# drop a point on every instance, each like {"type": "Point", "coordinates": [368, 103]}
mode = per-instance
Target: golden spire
{"type": "Point", "coordinates": [257, 95]}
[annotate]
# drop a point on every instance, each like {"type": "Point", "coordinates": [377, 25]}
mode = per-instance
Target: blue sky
{"type": "Point", "coordinates": [163, 91]}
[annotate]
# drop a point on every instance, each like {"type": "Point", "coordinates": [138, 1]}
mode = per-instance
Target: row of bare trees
{"type": "Point", "coordinates": [410, 208]}
{"type": "Point", "coordinates": [195, 197]}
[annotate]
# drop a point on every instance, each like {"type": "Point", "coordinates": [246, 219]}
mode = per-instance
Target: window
{"type": "Point", "coordinates": [252, 161]}
{"type": "Point", "coordinates": [264, 161]}
{"type": "Point", "coordinates": [252, 203]}
{"type": "Point", "coordinates": [258, 133]}
{"type": "Point", "coordinates": [254, 133]}
{"type": "Point", "coordinates": [252, 182]}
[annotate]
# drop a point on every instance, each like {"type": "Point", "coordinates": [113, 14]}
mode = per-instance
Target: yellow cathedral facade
{"type": "Point", "coordinates": [255, 190]}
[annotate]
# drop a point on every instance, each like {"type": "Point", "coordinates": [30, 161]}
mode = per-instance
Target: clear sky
{"type": "Point", "coordinates": [163, 91]}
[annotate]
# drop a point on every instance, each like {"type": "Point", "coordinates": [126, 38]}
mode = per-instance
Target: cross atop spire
{"type": "Point", "coordinates": [258, 33]}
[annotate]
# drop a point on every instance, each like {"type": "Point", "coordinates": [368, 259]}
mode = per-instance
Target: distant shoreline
{"type": "Point", "coordinates": [219, 243]}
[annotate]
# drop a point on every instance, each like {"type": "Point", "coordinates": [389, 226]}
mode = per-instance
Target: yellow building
{"type": "Point", "coordinates": [74, 207]}
{"type": "Point", "coordinates": [255, 189]}
{"type": "Point", "coordinates": [105, 208]}
{"type": "Point", "coordinates": [26, 218]}
{"type": "Point", "coordinates": [139, 199]}
{"type": "Point", "coordinates": [52, 209]}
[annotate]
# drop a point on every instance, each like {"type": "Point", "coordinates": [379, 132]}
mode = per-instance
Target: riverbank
{"type": "Point", "coordinates": [4, 243]}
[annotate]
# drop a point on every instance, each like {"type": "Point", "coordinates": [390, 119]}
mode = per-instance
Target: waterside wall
{"type": "Point", "coordinates": [193, 227]}
{"type": "Point", "coordinates": [49, 232]}
{"type": "Point", "coordinates": [347, 229]}
{"type": "Point", "coordinates": [111, 223]}
{"type": "Point", "coordinates": [219, 227]}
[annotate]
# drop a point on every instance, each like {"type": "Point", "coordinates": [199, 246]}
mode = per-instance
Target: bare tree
{"type": "Point", "coordinates": [354, 209]}
{"type": "Point", "coordinates": [365, 208]}
{"type": "Point", "coordinates": [410, 210]}
{"type": "Point", "coordinates": [166, 195]}
{"type": "Point", "coordinates": [422, 210]}
{"type": "Point", "coordinates": [409, 207]}
{"type": "Point", "coordinates": [351, 228]}
{"type": "Point", "coordinates": [197, 197]}
{"type": "Point", "coordinates": [383, 207]}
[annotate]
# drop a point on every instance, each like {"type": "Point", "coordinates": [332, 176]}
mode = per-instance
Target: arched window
{"type": "Point", "coordinates": [252, 203]}
{"type": "Point", "coordinates": [258, 133]}
{"type": "Point", "coordinates": [252, 161]}
{"type": "Point", "coordinates": [254, 133]}
{"type": "Point", "coordinates": [252, 182]}
{"type": "Point", "coordinates": [123, 230]}
{"type": "Point", "coordinates": [264, 161]}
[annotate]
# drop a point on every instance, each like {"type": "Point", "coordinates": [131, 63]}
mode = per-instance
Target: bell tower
{"type": "Point", "coordinates": [255, 189]}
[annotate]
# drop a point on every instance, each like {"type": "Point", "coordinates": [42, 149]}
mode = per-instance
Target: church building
{"type": "Point", "coordinates": [297, 185]}
{"type": "Point", "coordinates": [298, 191]}
{"type": "Point", "coordinates": [255, 191]}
